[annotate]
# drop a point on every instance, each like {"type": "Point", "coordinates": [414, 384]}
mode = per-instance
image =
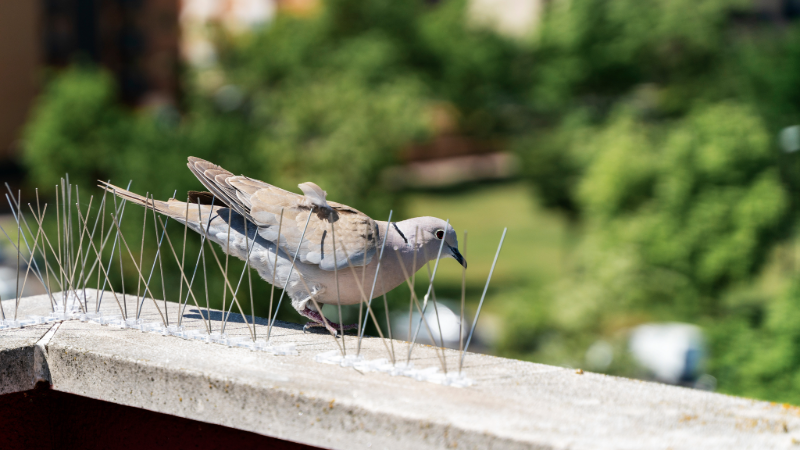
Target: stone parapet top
{"type": "Point", "coordinates": [512, 404]}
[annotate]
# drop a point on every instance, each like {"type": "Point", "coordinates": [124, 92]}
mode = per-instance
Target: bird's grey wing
{"type": "Point", "coordinates": [215, 179]}
{"type": "Point", "coordinates": [356, 233]}
{"type": "Point", "coordinates": [261, 203]}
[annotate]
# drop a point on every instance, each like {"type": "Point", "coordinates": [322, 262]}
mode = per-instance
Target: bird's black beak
{"type": "Point", "coordinates": [457, 256]}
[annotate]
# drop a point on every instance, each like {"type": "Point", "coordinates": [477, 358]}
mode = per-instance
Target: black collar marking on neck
{"type": "Point", "coordinates": [394, 224]}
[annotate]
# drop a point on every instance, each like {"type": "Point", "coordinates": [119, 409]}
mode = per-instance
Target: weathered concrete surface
{"type": "Point", "coordinates": [17, 355]}
{"type": "Point", "coordinates": [513, 404]}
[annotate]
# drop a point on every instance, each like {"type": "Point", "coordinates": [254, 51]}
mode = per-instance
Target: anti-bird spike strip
{"type": "Point", "coordinates": [287, 249]}
{"type": "Point", "coordinates": [73, 256]}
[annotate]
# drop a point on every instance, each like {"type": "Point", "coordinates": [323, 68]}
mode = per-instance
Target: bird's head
{"type": "Point", "coordinates": [430, 234]}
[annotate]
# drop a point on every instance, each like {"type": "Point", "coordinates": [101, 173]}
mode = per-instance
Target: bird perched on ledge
{"type": "Point", "coordinates": [253, 208]}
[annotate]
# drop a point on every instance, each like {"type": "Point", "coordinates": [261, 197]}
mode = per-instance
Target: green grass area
{"type": "Point", "coordinates": [536, 245]}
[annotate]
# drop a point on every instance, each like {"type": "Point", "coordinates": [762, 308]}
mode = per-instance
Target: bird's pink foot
{"type": "Point", "coordinates": [318, 321]}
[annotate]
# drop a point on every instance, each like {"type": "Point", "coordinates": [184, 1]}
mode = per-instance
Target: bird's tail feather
{"type": "Point", "coordinates": [158, 205]}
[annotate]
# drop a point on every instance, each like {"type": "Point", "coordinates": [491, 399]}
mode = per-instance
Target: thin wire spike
{"type": "Point", "coordinates": [11, 241]}
{"type": "Point", "coordinates": [363, 276]}
{"type": "Point", "coordinates": [463, 304]}
{"type": "Point", "coordinates": [102, 267]}
{"type": "Point", "coordinates": [11, 200]}
{"type": "Point", "coordinates": [121, 212]}
{"type": "Point", "coordinates": [138, 270]}
{"type": "Point", "coordinates": [141, 253]}
{"type": "Point", "coordinates": [363, 299]}
{"type": "Point", "coordinates": [275, 269]}
{"type": "Point", "coordinates": [374, 281]}
{"type": "Point", "coordinates": [69, 241]}
{"type": "Point", "coordinates": [415, 302]}
{"type": "Point", "coordinates": [85, 276]}
{"type": "Point", "coordinates": [288, 277]}
{"type": "Point", "coordinates": [227, 253]}
{"type": "Point", "coordinates": [183, 275]}
{"type": "Point", "coordinates": [197, 263]}
{"type": "Point", "coordinates": [483, 297]}
{"type": "Point", "coordinates": [98, 295]}
{"type": "Point", "coordinates": [47, 286]}
{"type": "Point", "coordinates": [427, 295]}
{"type": "Point", "coordinates": [436, 313]}
{"type": "Point", "coordinates": [250, 278]}
{"type": "Point", "coordinates": [58, 230]}
{"type": "Point", "coordinates": [80, 246]}
{"type": "Point", "coordinates": [183, 257]}
{"type": "Point", "coordinates": [156, 259]}
{"type": "Point", "coordinates": [205, 288]}
{"type": "Point", "coordinates": [19, 254]}
{"type": "Point", "coordinates": [234, 298]}
{"type": "Point", "coordinates": [413, 288]}
{"type": "Point", "coordinates": [158, 255]}
{"type": "Point", "coordinates": [338, 298]}
{"type": "Point", "coordinates": [58, 261]}
{"type": "Point", "coordinates": [388, 323]}
{"type": "Point", "coordinates": [28, 263]}
{"type": "Point", "coordinates": [121, 267]}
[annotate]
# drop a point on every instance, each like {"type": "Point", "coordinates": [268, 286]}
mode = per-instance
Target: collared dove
{"type": "Point", "coordinates": [358, 237]}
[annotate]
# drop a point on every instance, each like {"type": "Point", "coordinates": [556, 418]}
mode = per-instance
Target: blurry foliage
{"type": "Point", "coordinates": [650, 125]}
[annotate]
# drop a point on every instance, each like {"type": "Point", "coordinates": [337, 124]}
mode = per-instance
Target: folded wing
{"type": "Point", "coordinates": [261, 203]}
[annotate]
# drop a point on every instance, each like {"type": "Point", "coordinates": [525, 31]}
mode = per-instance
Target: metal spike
{"type": "Point", "coordinates": [183, 276]}
{"type": "Point", "coordinates": [47, 287]}
{"type": "Point", "coordinates": [102, 267]}
{"type": "Point", "coordinates": [10, 198]}
{"type": "Point", "coordinates": [430, 287]}
{"type": "Point", "coordinates": [183, 258]}
{"type": "Point", "coordinates": [199, 256]}
{"type": "Point", "coordinates": [141, 254]}
{"type": "Point", "coordinates": [374, 281]}
{"type": "Point", "coordinates": [58, 261]}
{"type": "Point", "coordinates": [227, 253]}
{"type": "Point", "coordinates": [28, 263]}
{"type": "Point", "coordinates": [363, 299]}
{"type": "Point", "coordinates": [413, 288]}
{"type": "Point", "coordinates": [234, 298]}
{"type": "Point", "coordinates": [19, 253]}
{"type": "Point", "coordinates": [338, 299]}
{"type": "Point", "coordinates": [415, 302]}
{"type": "Point", "coordinates": [156, 259]}
{"type": "Point", "coordinates": [463, 304]}
{"type": "Point", "coordinates": [483, 297]}
{"type": "Point", "coordinates": [275, 269]}
{"type": "Point", "coordinates": [288, 277]}
{"type": "Point", "coordinates": [121, 212]}
{"type": "Point", "coordinates": [138, 270]}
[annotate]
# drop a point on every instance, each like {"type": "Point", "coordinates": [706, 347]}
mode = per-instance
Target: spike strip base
{"type": "Point", "coordinates": [429, 374]}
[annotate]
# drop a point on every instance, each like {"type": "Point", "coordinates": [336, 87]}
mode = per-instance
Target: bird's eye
{"type": "Point", "coordinates": [439, 234]}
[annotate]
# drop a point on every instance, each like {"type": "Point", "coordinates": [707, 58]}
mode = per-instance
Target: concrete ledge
{"type": "Point", "coordinates": [513, 404]}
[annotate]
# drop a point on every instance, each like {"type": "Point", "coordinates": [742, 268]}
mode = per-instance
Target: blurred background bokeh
{"type": "Point", "coordinates": [643, 154]}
